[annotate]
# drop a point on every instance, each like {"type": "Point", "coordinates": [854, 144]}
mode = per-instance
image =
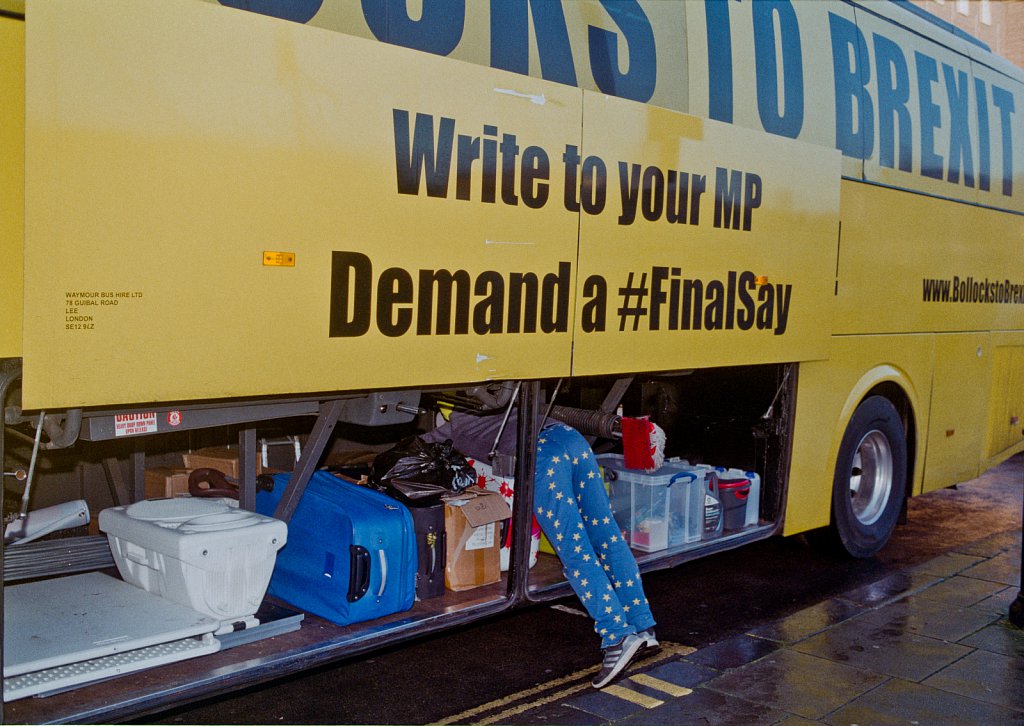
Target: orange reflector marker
{"type": "Point", "coordinates": [761, 280]}
{"type": "Point", "coordinates": [278, 259]}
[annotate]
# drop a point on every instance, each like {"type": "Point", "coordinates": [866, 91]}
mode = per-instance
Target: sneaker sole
{"type": "Point", "coordinates": [628, 656]}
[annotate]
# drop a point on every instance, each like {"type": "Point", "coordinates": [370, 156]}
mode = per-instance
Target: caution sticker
{"type": "Point", "coordinates": [131, 424]}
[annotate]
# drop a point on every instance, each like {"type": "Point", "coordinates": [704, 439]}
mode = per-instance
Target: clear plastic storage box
{"type": "Point", "coordinates": [206, 554]}
{"type": "Point", "coordinates": [751, 504]}
{"type": "Point", "coordinates": [656, 509]}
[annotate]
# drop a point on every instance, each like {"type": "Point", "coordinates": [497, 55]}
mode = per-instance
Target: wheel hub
{"type": "Point", "coordinates": [871, 476]}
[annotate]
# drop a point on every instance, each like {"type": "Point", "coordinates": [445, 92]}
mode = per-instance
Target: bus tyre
{"type": "Point", "coordinates": [870, 478]}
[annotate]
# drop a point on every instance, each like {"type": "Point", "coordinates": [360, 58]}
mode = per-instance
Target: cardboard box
{"type": "Point", "coordinates": [221, 458]}
{"type": "Point", "coordinates": [472, 523]}
{"type": "Point", "coordinates": [163, 482]}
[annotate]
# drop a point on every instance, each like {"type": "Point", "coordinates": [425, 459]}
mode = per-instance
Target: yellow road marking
{"type": "Point", "coordinates": [659, 685]}
{"type": "Point", "coordinates": [466, 716]}
{"type": "Point", "coordinates": [632, 696]}
{"type": "Point", "coordinates": [668, 650]}
{"type": "Point", "coordinates": [523, 707]}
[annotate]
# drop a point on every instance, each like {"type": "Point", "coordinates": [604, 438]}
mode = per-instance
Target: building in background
{"type": "Point", "coordinates": [999, 23]}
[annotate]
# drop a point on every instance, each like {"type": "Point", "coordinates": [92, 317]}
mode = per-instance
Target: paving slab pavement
{"type": "Point", "coordinates": [930, 644]}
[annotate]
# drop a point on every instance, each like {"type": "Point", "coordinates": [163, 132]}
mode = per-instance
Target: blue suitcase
{"type": "Point", "coordinates": [351, 552]}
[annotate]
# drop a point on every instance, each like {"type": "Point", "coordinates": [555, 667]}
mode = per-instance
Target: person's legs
{"type": "Point", "coordinates": [617, 559]}
{"type": "Point", "coordinates": [561, 519]}
{"type": "Point", "coordinates": [572, 507]}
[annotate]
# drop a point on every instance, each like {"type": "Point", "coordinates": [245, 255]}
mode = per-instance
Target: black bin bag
{"type": "Point", "coordinates": [420, 473]}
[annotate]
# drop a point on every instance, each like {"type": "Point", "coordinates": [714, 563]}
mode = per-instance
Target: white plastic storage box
{"type": "Point", "coordinates": [656, 509]}
{"type": "Point", "coordinates": [206, 554]}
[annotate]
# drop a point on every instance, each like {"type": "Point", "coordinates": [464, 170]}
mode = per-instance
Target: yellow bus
{"type": "Point", "coordinates": [788, 232]}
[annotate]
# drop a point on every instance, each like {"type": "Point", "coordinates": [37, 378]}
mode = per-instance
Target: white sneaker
{"type": "Point", "coordinates": [649, 640]}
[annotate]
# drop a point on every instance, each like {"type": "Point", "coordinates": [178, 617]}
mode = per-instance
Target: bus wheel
{"type": "Point", "coordinates": [870, 479]}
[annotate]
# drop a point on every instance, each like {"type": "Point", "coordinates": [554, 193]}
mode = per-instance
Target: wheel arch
{"type": "Point", "coordinates": [878, 423]}
{"type": "Point", "coordinates": [895, 385]}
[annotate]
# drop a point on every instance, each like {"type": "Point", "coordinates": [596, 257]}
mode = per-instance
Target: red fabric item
{"type": "Point", "coordinates": [636, 443]}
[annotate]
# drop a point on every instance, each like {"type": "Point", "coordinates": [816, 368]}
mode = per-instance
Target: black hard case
{"type": "Point", "coordinates": [428, 523]}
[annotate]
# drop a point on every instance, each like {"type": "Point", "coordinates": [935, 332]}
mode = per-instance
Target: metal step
{"type": "Point", "coordinates": [67, 676]}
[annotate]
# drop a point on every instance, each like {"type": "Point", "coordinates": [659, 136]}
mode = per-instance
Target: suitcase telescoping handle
{"type": "Point", "coordinates": [359, 572]}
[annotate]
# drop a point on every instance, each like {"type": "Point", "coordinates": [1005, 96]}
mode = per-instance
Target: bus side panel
{"type": "Point", "coordinates": [12, 186]}
{"type": "Point", "coordinates": [904, 74]}
{"type": "Point", "coordinates": [960, 389]}
{"type": "Point", "coordinates": [908, 106]}
{"type": "Point", "coordinates": [999, 163]}
{"type": "Point", "coordinates": [206, 210]}
{"type": "Point", "coordinates": [784, 86]}
{"type": "Point", "coordinates": [716, 247]}
{"type": "Point", "coordinates": [1005, 435]}
{"type": "Point", "coordinates": [827, 395]}
{"type": "Point", "coordinates": [582, 43]}
{"type": "Point", "coordinates": [934, 116]}
{"type": "Point", "coordinates": [911, 263]}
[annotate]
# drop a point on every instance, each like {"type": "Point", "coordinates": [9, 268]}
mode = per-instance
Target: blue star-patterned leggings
{"type": "Point", "coordinates": [573, 510]}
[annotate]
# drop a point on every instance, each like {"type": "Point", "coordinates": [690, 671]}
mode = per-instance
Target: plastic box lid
{"type": "Point", "coordinates": [661, 476]}
{"type": "Point", "coordinates": [190, 528]}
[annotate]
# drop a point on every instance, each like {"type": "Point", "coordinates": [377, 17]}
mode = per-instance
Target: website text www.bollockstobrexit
{"type": "Point", "coordinates": [972, 290]}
